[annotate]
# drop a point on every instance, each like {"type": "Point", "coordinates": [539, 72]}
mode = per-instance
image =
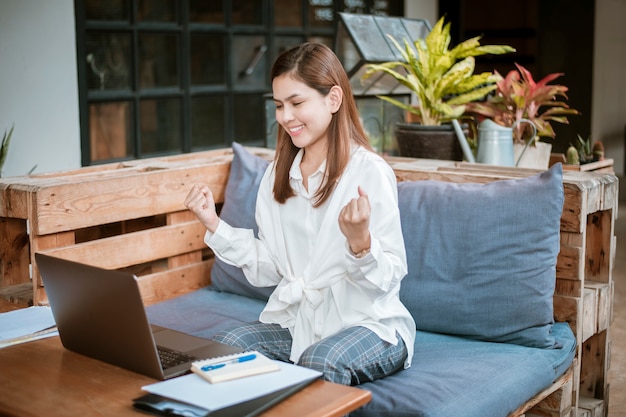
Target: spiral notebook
{"type": "Point", "coordinates": [238, 365]}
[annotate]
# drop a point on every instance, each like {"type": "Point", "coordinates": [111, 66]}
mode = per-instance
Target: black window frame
{"type": "Point", "coordinates": [185, 91]}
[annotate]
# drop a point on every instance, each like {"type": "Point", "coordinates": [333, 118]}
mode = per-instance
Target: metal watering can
{"type": "Point", "coordinates": [495, 143]}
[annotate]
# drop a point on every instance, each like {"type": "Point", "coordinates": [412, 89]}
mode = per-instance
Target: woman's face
{"type": "Point", "coordinates": [302, 111]}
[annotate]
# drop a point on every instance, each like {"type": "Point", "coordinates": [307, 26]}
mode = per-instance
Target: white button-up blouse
{"type": "Point", "coordinates": [321, 288]}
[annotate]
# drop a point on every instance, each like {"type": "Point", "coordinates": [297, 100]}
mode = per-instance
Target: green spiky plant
{"type": "Point", "coordinates": [583, 146]}
{"type": "Point", "coordinates": [442, 79]}
{"type": "Point", "coordinates": [4, 148]}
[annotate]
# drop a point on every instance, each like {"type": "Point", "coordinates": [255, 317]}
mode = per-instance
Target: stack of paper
{"type": "Point", "coordinates": [23, 325]}
{"type": "Point", "coordinates": [194, 390]}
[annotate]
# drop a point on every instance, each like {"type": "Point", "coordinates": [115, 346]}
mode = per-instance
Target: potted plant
{"type": "Point", "coordinates": [585, 151]}
{"type": "Point", "coordinates": [443, 82]}
{"type": "Point", "coordinates": [517, 96]}
{"type": "Point", "coordinates": [4, 148]}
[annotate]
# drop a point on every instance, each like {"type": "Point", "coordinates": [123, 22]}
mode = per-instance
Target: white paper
{"type": "Point", "coordinates": [195, 390]}
{"type": "Point", "coordinates": [24, 324]}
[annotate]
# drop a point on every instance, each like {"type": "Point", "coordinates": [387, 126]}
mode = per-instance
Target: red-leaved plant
{"type": "Point", "coordinates": [518, 96]}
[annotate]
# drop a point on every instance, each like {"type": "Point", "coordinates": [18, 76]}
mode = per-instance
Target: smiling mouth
{"type": "Point", "coordinates": [295, 129]}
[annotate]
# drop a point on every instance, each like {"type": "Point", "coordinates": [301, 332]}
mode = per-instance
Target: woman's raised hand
{"type": "Point", "coordinates": [200, 201]}
{"type": "Point", "coordinates": [354, 221]}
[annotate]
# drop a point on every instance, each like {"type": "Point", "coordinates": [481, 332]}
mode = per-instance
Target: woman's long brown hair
{"type": "Point", "coordinates": [318, 67]}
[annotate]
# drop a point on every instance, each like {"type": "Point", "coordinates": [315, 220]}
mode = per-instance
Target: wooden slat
{"type": "Point", "coordinates": [41, 243]}
{"type": "Point", "coordinates": [570, 263]}
{"type": "Point", "coordinates": [561, 387]}
{"type": "Point", "coordinates": [89, 203]}
{"type": "Point", "coordinates": [604, 299]}
{"type": "Point", "coordinates": [14, 257]}
{"type": "Point", "coordinates": [13, 189]}
{"type": "Point", "coordinates": [572, 217]}
{"type": "Point", "coordinates": [185, 258]}
{"type": "Point", "coordinates": [569, 309]}
{"type": "Point", "coordinates": [590, 313]}
{"type": "Point", "coordinates": [594, 367]}
{"type": "Point", "coordinates": [136, 248]}
{"type": "Point", "coordinates": [599, 234]}
{"type": "Point", "coordinates": [568, 287]}
{"type": "Point", "coordinates": [173, 282]}
{"type": "Point", "coordinates": [572, 239]}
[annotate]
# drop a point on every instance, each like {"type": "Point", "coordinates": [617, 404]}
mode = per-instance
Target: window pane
{"type": "Point", "coordinates": [108, 61]}
{"type": "Point", "coordinates": [250, 119]}
{"type": "Point", "coordinates": [271, 125]}
{"type": "Point", "coordinates": [249, 59]}
{"type": "Point", "coordinates": [321, 13]}
{"type": "Point", "coordinates": [158, 66]}
{"type": "Point", "coordinates": [207, 122]}
{"type": "Point", "coordinates": [107, 9]}
{"type": "Point", "coordinates": [354, 6]}
{"type": "Point", "coordinates": [159, 122]}
{"type": "Point", "coordinates": [204, 11]}
{"type": "Point", "coordinates": [284, 43]}
{"type": "Point", "coordinates": [287, 13]}
{"type": "Point", "coordinates": [326, 40]}
{"type": "Point", "coordinates": [247, 12]}
{"type": "Point", "coordinates": [207, 60]}
{"type": "Point", "coordinates": [156, 11]}
{"type": "Point", "coordinates": [110, 130]}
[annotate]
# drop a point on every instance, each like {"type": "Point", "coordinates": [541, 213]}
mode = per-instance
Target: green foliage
{"type": "Point", "coordinates": [583, 146]}
{"type": "Point", "coordinates": [518, 96]}
{"type": "Point", "coordinates": [585, 151]}
{"type": "Point", "coordinates": [4, 147]}
{"type": "Point", "coordinates": [443, 79]}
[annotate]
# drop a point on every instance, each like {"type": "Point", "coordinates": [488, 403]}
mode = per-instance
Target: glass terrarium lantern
{"type": "Point", "coordinates": [361, 40]}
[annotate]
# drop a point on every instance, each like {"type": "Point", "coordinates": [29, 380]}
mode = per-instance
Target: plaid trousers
{"type": "Point", "coordinates": [350, 357]}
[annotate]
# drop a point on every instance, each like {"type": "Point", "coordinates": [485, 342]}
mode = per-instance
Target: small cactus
{"type": "Point", "coordinates": [597, 151]}
{"type": "Point", "coordinates": [584, 150]}
{"type": "Point", "coordinates": [571, 157]}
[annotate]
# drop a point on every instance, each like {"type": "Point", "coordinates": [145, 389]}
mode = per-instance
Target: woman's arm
{"type": "Point", "coordinates": [383, 267]}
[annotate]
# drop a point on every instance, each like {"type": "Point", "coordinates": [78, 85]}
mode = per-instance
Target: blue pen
{"type": "Point", "coordinates": [219, 365]}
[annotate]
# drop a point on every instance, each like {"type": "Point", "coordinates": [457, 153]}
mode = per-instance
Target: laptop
{"type": "Point", "coordinates": [99, 313]}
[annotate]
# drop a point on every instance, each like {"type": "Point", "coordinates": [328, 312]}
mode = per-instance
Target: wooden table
{"type": "Point", "coordinates": [43, 378]}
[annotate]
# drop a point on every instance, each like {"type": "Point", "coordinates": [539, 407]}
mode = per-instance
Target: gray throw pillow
{"type": "Point", "coordinates": [238, 210]}
{"type": "Point", "coordinates": [482, 257]}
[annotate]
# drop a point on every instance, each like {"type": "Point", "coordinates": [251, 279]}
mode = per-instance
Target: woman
{"type": "Point", "coordinates": [329, 234]}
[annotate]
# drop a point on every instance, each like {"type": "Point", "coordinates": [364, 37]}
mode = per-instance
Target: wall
{"type": "Point", "coordinates": [608, 118]}
{"type": "Point", "coordinates": [422, 9]}
{"type": "Point", "coordinates": [38, 88]}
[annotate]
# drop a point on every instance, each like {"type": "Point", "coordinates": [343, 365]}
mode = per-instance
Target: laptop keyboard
{"type": "Point", "coordinates": [171, 357]}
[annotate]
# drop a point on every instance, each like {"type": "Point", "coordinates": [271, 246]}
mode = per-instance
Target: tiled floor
{"type": "Point", "coordinates": [617, 372]}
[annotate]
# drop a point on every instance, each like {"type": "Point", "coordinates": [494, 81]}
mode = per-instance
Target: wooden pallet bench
{"type": "Point", "coordinates": [131, 216]}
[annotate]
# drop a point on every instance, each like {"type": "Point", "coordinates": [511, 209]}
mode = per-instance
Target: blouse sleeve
{"type": "Point", "coordinates": [239, 247]}
{"type": "Point", "coordinates": [382, 269]}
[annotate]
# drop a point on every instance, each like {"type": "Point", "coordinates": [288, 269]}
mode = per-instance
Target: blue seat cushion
{"type": "Point", "coordinates": [206, 311]}
{"type": "Point", "coordinates": [450, 375]}
{"type": "Point", "coordinates": [454, 376]}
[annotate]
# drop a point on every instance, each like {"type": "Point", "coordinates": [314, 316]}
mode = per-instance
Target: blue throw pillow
{"type": "Point", "coordinates": [238, 210]}
{"type": "Point", "coordinates": [482, 257]}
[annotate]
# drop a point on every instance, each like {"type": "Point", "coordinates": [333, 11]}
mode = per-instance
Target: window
{"type": "Point", "coordinates": [162, 77]}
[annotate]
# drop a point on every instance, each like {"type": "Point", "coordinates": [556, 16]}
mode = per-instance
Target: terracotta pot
{"type": "Point", "coordinates": [431, 142]}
